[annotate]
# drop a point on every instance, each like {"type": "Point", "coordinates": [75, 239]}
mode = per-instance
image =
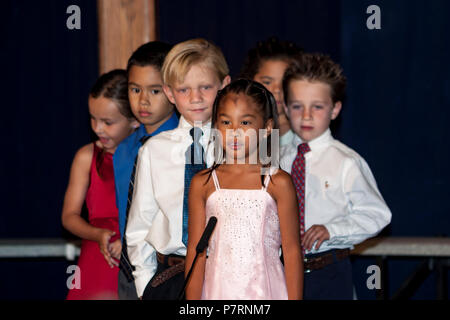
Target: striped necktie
{"type": "Point", "coordinates": [298, 173]}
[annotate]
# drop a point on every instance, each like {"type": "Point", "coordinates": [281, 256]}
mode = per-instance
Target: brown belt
{"type": "Point", "coordinates": [175, 265]}
{"type": "Point", "coordinates": [169, 260]}
{"type": "Point", "coordinates": [311, 264]}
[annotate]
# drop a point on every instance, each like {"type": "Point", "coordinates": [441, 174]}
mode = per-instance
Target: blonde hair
{"type": "Point", "coordinates": [184, 55]}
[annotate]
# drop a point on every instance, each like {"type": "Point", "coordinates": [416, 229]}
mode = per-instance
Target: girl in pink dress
{"type": "Point", "coordinates": [255, 206]}
{"type": "Point", "coordinates": [92, 180]}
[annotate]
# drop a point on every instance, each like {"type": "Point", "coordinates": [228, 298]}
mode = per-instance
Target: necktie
{"type": "Point", "coordinates": [125, 263]}
{"type": "Point", "coordinates": [194, 163]}
{"type": "Point", "coordinates": [298, 177]}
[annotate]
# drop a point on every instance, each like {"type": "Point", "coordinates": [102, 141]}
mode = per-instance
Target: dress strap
{"type": "Point", "coordinates": [216, 181]}
{"type": "Point", "coordinates": [266, 182]}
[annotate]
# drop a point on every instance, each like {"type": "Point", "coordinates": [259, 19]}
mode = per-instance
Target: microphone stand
{"type": "Point", "coordinates": [201, 246]}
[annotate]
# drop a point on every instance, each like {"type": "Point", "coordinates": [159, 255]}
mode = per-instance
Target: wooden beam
{"type": "Point", "coordinates": [123, 26]}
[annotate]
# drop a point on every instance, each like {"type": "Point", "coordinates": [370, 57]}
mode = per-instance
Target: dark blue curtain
{"type": "Point", "coordinates": [397, 118]}
{"type": "Point", "coordinates": [48, 70]}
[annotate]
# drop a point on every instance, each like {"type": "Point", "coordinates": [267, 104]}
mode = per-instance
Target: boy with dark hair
{"type": "Point", "coordinates": [339, 202]}
{"type": "Point", "coordinates": [154, 111]}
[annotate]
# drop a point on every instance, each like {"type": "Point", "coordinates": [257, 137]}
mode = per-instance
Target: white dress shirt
{"type": "Point", "coordinates": [155, 221]}
{"type": "Point", "coordinates": [340, 192]}
{"type": "Point", "coordinates": [287, 138]}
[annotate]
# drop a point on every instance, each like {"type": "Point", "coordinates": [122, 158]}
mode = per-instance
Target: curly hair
{"type": "Point", "coordinates": [269, 49]}
{"type": "Point", "coordinates": [316, 67]}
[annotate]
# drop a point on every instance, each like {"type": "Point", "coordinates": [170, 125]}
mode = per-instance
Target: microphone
{"type": "Point", "coordinates": [201, 246]}
{"type": "Point", "coordinates": [203, 242]}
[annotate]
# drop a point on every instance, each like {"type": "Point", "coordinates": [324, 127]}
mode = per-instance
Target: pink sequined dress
{"type": "Point", "coordinates": [243, 255]}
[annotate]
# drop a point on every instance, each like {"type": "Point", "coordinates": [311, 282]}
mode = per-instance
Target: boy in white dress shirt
{"type": "Point", "coordinates": [193, 72]}
{"type": "Point", "coordinates": [339, 202]}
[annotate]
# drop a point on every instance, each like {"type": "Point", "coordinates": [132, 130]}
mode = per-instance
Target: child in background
{"type": "Point", "coordinates": [92, 179]}
{"type": "Point", "coordinates": [256, 214]}
{"type": "Point", "coordinates": [266, 64]}
{"type": "Point", "coordinates": [156, 232]}
{"type": "Point", "coordinates": [339, 202]}
{"type": "Point", "coordinates": [154, 111]}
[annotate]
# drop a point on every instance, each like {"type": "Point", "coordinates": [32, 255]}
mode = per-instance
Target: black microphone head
{"type": "Point", "coordinates": [203, 242]}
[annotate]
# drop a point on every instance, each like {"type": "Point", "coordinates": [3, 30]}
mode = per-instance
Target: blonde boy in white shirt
{"type": "Point", "coordinates": [193, 72]}
{"type": "Point", "coordinates": [342, 204]}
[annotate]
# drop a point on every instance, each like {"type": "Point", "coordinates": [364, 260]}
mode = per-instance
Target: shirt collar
{"type": "Point", "coordinates": [318, 142]}
{"type": "Point", "coordinates": [169, 124]}
{"type": "Point", "coordinates": [183, 124]}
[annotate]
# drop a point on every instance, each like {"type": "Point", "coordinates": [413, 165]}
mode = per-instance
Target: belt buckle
{"type": "Point", "coordinates": [305, 260]}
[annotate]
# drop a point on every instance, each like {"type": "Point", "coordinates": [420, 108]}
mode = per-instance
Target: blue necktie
{"type": "Point", "coordinates": [195, 162]}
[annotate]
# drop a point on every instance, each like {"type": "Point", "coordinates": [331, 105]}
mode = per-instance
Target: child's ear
{"type": "Point", "coordinates": [169, 94]}
{"type": "Point", "coordinates": [336, 109]}
{"type": "Point", "coordinates": [226, 81]}
{"type": "Point", "coordinates": [286, 110]}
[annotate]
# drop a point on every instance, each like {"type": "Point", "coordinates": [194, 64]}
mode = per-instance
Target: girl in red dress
{"type": "Point", "coordinates": [92, 179]}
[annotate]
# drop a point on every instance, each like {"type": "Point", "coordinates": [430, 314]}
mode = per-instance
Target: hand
{"type": "Point", "coordinates": [316, 233]}
{"type": "Point", "coordinates": [103, 241]}
{"type": "Point", "coordinates": [115, 249]}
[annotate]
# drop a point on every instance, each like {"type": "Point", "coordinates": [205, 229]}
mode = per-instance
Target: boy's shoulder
{"type": "Point", "coordinates": [345, 150]}
{"type": "Point", "coordinates": [167, 140]}
{"type": "Point", "coordinates": [129, 142]}
{"type": "Point", "coordinates": [339, 150]}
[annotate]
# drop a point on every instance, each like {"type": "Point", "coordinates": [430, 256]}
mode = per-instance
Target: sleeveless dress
{"type": "Point", "coordinates": [243, 255]}
{"type": "Point", "coordinates": [98, 280]}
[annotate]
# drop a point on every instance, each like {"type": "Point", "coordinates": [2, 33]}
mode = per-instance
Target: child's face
{"type": "Point", "coordinates": [270, 74]}
{"type": "Point", "coordinates": [147, 99]}
{"type": "Point", "coordinates": [194, 97]}
{"type": "Point", "coordinates": [239, 120]}
{"type": "Point", "coordinates": [108, 123]}
{"type": "Point", "coordinates": [310, 108]}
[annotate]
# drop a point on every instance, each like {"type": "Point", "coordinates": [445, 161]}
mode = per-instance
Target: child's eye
{"type": "Point", "coordinates": [246, 123]}
{"type": "Point", "coordinates": [225, 122]}
{"type": "Point", "coordinates": [266, 83]}
{"type": "Point", "coordinates": [135, 90]}
{"type": "Point", "coordinates": [295, 106]}
{"type": "Point", "coordinates": [318, 107]}
{"type": "Point", "coordinates": [206, 87]}
{"type": "Point", "coordinates": [182, 90]}
{"type": "Point", "coordinates": [155, 91]}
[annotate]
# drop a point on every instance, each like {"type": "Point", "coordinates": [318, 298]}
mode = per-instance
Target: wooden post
{"type": "Point", "coordinates": [123, 26]}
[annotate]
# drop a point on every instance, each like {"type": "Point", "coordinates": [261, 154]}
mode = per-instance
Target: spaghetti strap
{"type": "Point", "coordinates": [266, 182]}
{"type": "Point", "coordinates": [216, 181]}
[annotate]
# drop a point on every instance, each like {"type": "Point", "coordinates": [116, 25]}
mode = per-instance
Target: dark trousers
{"type": "Point", "coordinates": [333, 282]}
{"type": "Point", "coordinates": [126, 288]}
{"type": "Point", "coordinates": [168, 290]}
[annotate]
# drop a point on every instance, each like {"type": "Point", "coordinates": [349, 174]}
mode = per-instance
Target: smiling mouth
{"type": "Point", "coordinates": [103, 140]}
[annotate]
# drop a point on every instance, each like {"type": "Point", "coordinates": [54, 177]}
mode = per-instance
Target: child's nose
{"type": "Point", "coordinates": [306, 113]}
{"type": "Point", "coordinates": [144, 98]}
{"type": "Point", "coordinates": [195, 96]}
{"type": "Point", "coordinates": [97, 127]}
